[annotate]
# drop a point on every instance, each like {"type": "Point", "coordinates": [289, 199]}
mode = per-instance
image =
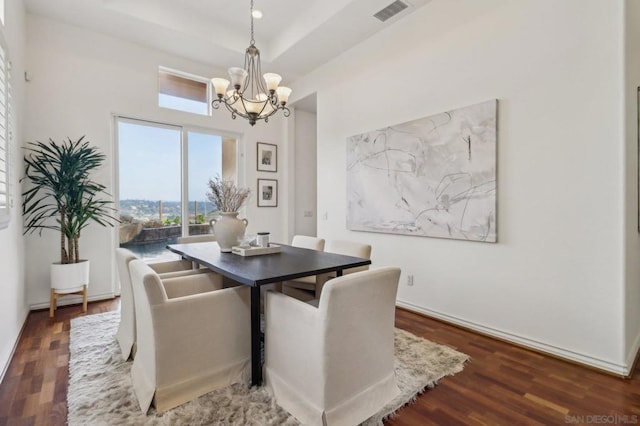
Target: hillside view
{"type": "Point", "coordinates": [145, 210]}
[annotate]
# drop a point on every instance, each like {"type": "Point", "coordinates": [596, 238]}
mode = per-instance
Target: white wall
{"type": "Point", "coordinates": [555, 280]}
{"type": "Point", "coordinates": [79, 79]}
{"type": "Point", "coordinates": [632, 237]}
{"type": "Point", "coordinates": [13, 305]}
{"type": "Point", "coordinates": [306, 173]}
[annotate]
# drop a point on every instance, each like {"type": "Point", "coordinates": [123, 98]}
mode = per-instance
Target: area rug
{"type": "Point", "coordinates": [100, 390]}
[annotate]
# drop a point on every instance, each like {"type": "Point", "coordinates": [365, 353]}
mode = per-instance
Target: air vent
{"type": "Point", "coordinates": [392, 10]}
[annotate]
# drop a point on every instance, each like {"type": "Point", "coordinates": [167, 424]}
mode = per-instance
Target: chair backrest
{"type": "Point", "coordinates": [366, 302]}
{"type": "Point", "coordinates": [307, 242]}
{"type": "Point", "coordinates": [146, 283]}
{"type": "Point", "coordinates": [127, 329]}
{"type": "Point", "coordinates": [204, 238]}
{"type": "Point", "coordinates": [123, 257]}
{"type": "Point", "coordinates": [147, 292]}
{"type": "Point", "coordinates": [350, 248]}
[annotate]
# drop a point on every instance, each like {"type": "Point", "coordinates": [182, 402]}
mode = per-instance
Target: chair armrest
{"type": "Point", "coordinates": [294, 342]}
{"type": "Point", "coordinates": [305, 283]}
{"type": "Point", "coordinates": [191, 284]}
{"type": "Point", "coordinates": [177, 274]}
{"type": "Point", "coordinates": [170, 266]}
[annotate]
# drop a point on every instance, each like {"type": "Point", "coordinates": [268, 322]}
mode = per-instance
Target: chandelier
{"type": "Point", "coordinates": [253, 96]}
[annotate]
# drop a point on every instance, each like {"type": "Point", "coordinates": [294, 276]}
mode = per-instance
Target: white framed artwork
{"type": "Point", "coordinates": [267, 157]}
{"type": "Point", "coordinates": [267, 193]}
{"type": "Point", "coordinates": [432, 177]}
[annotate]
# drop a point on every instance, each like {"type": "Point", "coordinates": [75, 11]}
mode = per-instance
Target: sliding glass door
{"type": "Point", "coordinates": [163, 172]}
{"type": "Point", "coordinates": [204, 161]}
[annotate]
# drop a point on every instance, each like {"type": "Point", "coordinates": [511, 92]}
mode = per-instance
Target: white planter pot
{"type": "Point", "coordinates": [228, 230]}
{"type": "Point", "coordinates": [70, 277]}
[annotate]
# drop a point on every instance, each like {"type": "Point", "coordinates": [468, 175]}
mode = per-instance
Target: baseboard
{"type": "Point", "coordinates": [632, 357]}
{"type": "Point", "coordinates": [72, 300]}
{"type": "Point", "coordinates": [5, 368]}
{"type": "Point", "coordinates": [555, 351]}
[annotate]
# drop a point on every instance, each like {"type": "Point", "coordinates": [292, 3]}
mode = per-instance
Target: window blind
{"type": "Point", "coordinates": [4, 135]}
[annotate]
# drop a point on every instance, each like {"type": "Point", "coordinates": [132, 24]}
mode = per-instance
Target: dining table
{"type": "Point", "coordinates": [254, 271]}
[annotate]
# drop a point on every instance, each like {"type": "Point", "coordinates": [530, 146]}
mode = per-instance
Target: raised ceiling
{"type": "Point", "coordinates": [294, 36]}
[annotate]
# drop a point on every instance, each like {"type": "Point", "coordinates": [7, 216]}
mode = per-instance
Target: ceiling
{"type": "Point", "coordinates": [294, 36]}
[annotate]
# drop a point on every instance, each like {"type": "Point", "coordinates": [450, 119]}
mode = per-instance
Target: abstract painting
{"type": "Point", "coordinates": [432, 177]}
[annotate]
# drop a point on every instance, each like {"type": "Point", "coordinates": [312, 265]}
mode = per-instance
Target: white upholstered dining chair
{"type": "Point", "coordinates": [302, 287]}
{"type": "Point", "coordinates": [326, 373]}
{"type": "Point", "coordinates": [304, 241]}
{"type": "Point", "coordinates": [204, 238]}
{"type": "Point", "coordinates": [309, 288]}
{"type": "Point", "coordinates": [193, 337]}
{"type": "Point", "coordinates": [126, 334]}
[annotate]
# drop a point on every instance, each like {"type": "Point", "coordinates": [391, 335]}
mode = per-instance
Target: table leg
{"type": "Point", "coordinates": [256, 352]}
{"type": "Point", "coordinates": [339, 273]}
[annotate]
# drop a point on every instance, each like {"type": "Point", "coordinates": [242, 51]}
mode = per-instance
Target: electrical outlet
{"type": "Point", "coordinates": [308, 213]}
{"type": "Point", "coordinates": [325, 216]}
{"type": "Point", "coordinates": [409, 280]}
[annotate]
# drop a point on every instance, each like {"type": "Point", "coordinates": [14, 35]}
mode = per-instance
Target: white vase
{"type": "Point", "coordinates": [228, 230]}
{"type": "Point", "coordinates": [69, 277]}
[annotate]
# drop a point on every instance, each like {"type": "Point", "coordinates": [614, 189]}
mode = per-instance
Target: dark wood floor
{"type": "Point", "coordinates": [501, 385]}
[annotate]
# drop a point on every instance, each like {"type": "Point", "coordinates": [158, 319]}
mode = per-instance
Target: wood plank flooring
{"type": "Point", "coordinates": [501, 385]}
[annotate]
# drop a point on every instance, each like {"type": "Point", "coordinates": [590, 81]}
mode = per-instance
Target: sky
{"type": "Point", "coordinates": [149, 162]}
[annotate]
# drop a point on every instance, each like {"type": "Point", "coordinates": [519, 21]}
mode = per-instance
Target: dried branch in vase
{"type": "Point", "coordinates": [226, 196]}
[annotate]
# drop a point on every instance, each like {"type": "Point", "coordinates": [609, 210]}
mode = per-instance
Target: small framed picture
{"type": "Point", "coordinates": [267, 157]}
{"type": "Point", "coordinates": [267, 193]}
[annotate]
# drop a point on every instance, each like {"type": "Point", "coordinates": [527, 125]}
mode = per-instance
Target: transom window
{"type": "Point", "coordinates": [183, 92]}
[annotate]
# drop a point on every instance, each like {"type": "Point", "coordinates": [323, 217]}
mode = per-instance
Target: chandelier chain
{"type": "Point", "coordinates": [253, 42]}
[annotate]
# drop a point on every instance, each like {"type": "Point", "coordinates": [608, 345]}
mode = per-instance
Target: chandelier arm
{"type": "Point", "coordinates": [232, 110]}
{"type": "Point", "coordinates": [258, 76]}
{"type": "Point", "coordinates": [247, 65]}
{"type": "Point", "coordinates": [252, 76]}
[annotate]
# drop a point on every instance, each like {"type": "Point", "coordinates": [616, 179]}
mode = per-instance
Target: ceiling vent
{"type": "Point", "coordinates": [392, 10]}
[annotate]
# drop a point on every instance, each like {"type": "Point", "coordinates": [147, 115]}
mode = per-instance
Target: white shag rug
{"type": "Point", "coordinates": [100, 390]}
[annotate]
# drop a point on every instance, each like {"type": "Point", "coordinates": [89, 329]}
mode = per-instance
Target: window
{"type": "Point", "coordinates": [183, 92]}
{"type": "Point", "coordinates": [163, 172]}
{"type": "Point", "coordinates": [5, 134]}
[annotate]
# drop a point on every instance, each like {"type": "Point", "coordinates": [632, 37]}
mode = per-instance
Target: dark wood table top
{"type": "Point", "coordinates": [290, 263]}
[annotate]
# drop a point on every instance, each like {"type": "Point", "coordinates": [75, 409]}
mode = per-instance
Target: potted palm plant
{"type": "Point", "coordinates": [63, 197]}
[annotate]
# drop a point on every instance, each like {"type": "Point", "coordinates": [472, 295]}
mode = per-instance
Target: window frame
{"type": "Point", "coordinates": [184, 130]}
